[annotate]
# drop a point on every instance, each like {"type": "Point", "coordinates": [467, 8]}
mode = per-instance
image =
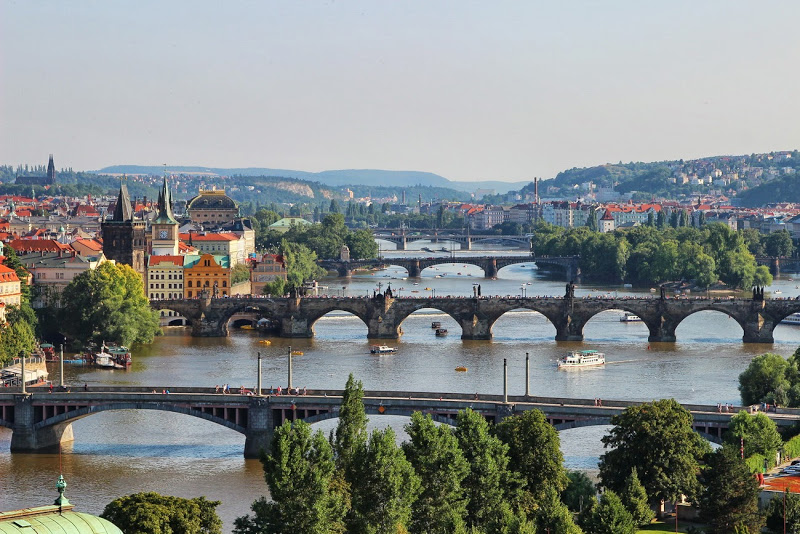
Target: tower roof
{"type": "Point", "coordinates": [164, 215]}
{"type": "Point", "coordinates": [123, 211]}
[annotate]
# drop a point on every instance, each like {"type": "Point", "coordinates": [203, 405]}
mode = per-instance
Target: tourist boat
{"type": "Point", "coordinates": [382, 349]}
{"type": "Point", "coordinates": [436, 324]}
{"type": "Point", "coordinates": [792, 319]}
{"type": "Point", "coordinates": [461, 369]}
{"type": "Point", "coordinates": [630, 318]}
{"type": "Point", "coordinates": [49, 352]}
{"type": "Point", "coordinates": [441, 332]}
{"type": "Point", "coordinates": [777, 292]}
{"type": "Point", "coordinates": [117, 357]}
{"type": "Point", "coordinates": [582, 358]}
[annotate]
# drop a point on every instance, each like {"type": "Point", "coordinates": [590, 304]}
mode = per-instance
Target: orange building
{"type": "Point", "coordinates": [206, 272]}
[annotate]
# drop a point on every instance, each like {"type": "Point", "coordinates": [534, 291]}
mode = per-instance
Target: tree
{"type": "Point", "coordinates": [759, 432]}
{"type": "Point", "coordinates": [535, 452]}
{"type": "Point", "coordinates": [657, 439]}
{"type": "Point", "coordinates": [779, 244]}
{"type": "Point", "coordinates": [788, 506]}
{"type": "Point", "coordinates": [108, 304]}
{"type": "Point", "coordinates": [334, 206]}
{"type": "Point", "coordinates": [240, 273]}
{"type": "Point", "coordinates": [362, 245]}
{"type": "Point", "coordinates": [608, 516]}
{"type": "Point", "coordinates": [301, 263]}
{"type": "Point", "coordinates": [661, 220]}
{"type": "Point", "coordinates": [591, 220]}
{"type": "Point", "coordinates": [729, 499]}
{"type": "Point", "coordinates": [554, 516]}
{"type": "Point", "coordinates": [16, 338]}
{"type": "Point", "coordinates": [580, 491]}
{"type": "Point", "coordinates": [766, 374]}
{"type": "Point", "coordinates": [634, 497]}
{"type": "Point", "coordinates": [152, 513]}
{"type": "Point", "coordinates": [351, 432]}
{"type": "Point", "coordinates": [12, 262]}
{"type": "Point", "coordinates": [434, 454]}
{"type": "Point", "coordinates": [306, 495]}
{"type": "Point", "coordinates": [651, 219]}
{"type": "Point", "coordinates": [387, 486]}
{"type": "Point", "coordinates": [490, 485]}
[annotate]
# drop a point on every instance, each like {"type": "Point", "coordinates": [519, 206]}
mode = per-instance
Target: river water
{"type": "Point", "coordinates": [118, 453]}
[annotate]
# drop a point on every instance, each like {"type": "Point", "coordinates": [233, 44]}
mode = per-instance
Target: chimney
{"type": "Point", "coordinates": [536, 190]}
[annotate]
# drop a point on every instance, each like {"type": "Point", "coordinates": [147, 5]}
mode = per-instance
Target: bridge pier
{"type": "Point", "coordinates": [662, 329]}
{"type": "Point", "coordinates": [260, 428]}
{"type": "Point", "coordinates": [344, 272]}
{"type": "Point", "coordinates": [759, 331]}
{"type": "Point", "coordinates": [466, 244]}
{"type": "Point", "coordinates": [401, 243]}
{"type": "Point", "coordinates": [296, 327]}
{"type": "Point", "coordinates": [490, 269]}
{"type": "Point", "coordinates": [27, 438]}
{"type": "Point", "coordinates": [414, 269]}
{"type": "Point", "coordinates": [570, 328]}
{"type": "Point", "coordinates": [204, 327]}
{"type": "Point", "coordinates": [475, 328]}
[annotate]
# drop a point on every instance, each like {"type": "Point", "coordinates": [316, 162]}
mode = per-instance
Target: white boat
{"type": "Point", "coordinates": [630, 318]}
{"type": "Point", "coordinates": [582, 358]}
{"type": "Point", "coordinates": [382, 349]}
{"type": "Point", "coordinates": [777, 292]}
{"type": "Point", "coordinates": [792, 319]}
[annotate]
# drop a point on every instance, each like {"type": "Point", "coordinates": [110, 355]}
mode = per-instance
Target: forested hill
{"type": "Point", "coordinates": [783, 189]}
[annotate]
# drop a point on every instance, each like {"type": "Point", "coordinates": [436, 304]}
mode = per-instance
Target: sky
{"type": "Point", "coordinates": [471, 90]}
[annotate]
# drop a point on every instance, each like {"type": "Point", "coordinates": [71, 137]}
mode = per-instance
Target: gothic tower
{"type": "Point", "coordinates": [124, 236]}
{"type": "Point", "coordinates": [164, 227]}
{"type": "Point", "coordinates": [51, 171]}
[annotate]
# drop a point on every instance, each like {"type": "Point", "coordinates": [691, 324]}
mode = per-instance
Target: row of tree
{"type": "Point", "coordinates": [18, 334]}
{"type": "Point", "coordinates": [647, 255]}
{"type": "Point", "coordinates": [771, 378]}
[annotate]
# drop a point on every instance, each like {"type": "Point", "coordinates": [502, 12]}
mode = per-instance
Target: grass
{"type": "Point", "coordinates": [661, 526]}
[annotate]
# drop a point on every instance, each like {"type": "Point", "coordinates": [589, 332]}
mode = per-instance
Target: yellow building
{"type": "Point", "coordinates": [206, 272]}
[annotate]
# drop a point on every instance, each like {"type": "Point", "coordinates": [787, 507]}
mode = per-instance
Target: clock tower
{"type": "Point", "coordinates": [164, 226]}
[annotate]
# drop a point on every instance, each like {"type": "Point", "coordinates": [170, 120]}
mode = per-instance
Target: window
{"type": "Point", "coordinates": [224, 283]}
{"type": "Point", "coordinates": [189, 284]}
{"type": "Point", "coordinates": [189, 294]}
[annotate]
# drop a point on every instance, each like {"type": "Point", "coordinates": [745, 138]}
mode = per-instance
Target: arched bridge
{"type": "Point", "coordinates": [489, 264]}
{"type": "Point", "coordinates": [401, 237]}
{"type": "Point", "coordinates": [777, 264]}
{"type": "Point", "coordinates": [383, 316]}
{"type": "Point", "coordinates": [41, 421]}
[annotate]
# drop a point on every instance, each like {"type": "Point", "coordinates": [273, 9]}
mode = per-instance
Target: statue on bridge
{"type": "Point", "coordinates": [570, 294]}
{"type": "Point", "coordinates": [663, 292]}
{"type": "Point", "coordinates": [758, 293]}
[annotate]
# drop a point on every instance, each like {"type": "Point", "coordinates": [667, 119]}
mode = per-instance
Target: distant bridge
{"type": "Point", "coordinates": [401, 237]}
{"type": "Point", "coordinates": [41, 421]}
{"type": "Point", "coordinates": [384, 315]}
{"type": "Point", "coordinates": [777, 264]}
{"type": "Point", "coordinates": [489, 264]}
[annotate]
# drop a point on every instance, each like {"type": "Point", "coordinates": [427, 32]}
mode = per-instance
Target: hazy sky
{"type": "Point", "coordinates": [469, 90]}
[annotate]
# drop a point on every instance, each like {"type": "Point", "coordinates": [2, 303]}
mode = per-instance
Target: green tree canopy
{"type": "Point", "coordinates": [608, 516]}
{"type": "Point", "coordinates": [553, 516]}
{"type": "Point", "coordinates": [657, 439]}
{"type": "Point", "coordinates": [152, 513]}
{"type": "Point", "coordinates": [16, 338]}
{"type": "Point", "coordinates": [306, 495]}
{"type": "Point", "coordinates": [351, 434]}
{"type": "Point", "coordinates": [580, 491]}
{"type": "Point", "coordinates": [788, 506]}
{"type": "Point", "coordinates": [535, 452]}
{"type": "Point", "coordinates": [759, 432]}
{"type": "Point", "coordinates": [634, 497]}
{"type": "Point", "coordinates": [436, 458]}
{"type": "Point", "coordinates": [108, 304]}
{"type": "Point", "coordinates": [490, 486]}
{"type": "Point", "coordinates": [766, 374]}
{"type": "Point", "coordinates": [387, 487]}
{"type": "Point", "coordinates": [729, 498]}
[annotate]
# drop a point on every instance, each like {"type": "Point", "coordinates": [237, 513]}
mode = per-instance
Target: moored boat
{"type": "Point", "coordinates": [436, 324]}
{"type": "Point", "coordinates": [582, 358]}
{"type": "Point", "coordinates": [630, 318]}
{"type": "Point", "coordinates": [116, 357]}
{"type": "Point", "coordinates": [382, 349]}
{"type": "Point", "coordinates": [792, 319]}
{"type": "Point", "coordinates": [441, 332]}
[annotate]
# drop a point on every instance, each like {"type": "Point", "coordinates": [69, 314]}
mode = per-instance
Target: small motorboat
{"type": "Point", "coordinates": [297, 353]}
{"type": "Point", "coordinates": [441, 332]}
{"type": "Point", "coordinates": [382, 349]}
{"type": "Point", "coordinates": [247, 327]}
{"type": "Point", "coordinates": [436, 324]}
{"type": "Point", "coordinates": [265, 341]}
{"type": "Point", "coordinates": [461, 369]}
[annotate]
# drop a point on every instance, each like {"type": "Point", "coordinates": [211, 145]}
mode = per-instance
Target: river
{"type": "Point", "coordinates": [118, 453]}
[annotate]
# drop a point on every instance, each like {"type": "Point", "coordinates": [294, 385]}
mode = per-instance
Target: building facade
{"type": "Point", "coordinates": [124, 239]}
{"type": "Point", "coordinates": [206, 272]}
{"type": "Point", "coordinates": [212, 208]}
{"type": "Point", "coordinates": [265, 270]}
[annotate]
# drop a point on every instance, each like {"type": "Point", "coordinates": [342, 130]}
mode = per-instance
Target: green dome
{"type": "Point", "coordinates": [48, 520]}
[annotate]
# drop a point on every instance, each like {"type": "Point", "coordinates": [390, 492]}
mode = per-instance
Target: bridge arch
{"type": "Point", "coordinates": [711, 308]}
{"type": "Point", "coordinates": [66, 418]}
{"type": "Point", "coordinates": [409, 311]}
{"type": "Point", "coordinates": [529, 305]}
{"type": "Point", "coordinates": [538, 321]}
{"type": "Point", "coordinates": [447, 419]}
{"type": "Point", "coordinates": [170, 317]}
{"type": "Point", "coordinates": [346, 312]}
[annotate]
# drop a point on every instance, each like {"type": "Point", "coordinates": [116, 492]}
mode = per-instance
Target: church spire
{"type": "Point", "coordinates": [165, 215]}
{"type": "Point", "coordinates": [51, 170]}
{"type": "Point", "coordinates": [123, 211]}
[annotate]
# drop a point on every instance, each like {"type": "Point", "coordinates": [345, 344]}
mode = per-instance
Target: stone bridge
{"type": "Point", "coordinates": [489, 264]}
{"type": "Point", "coordinates": [402, 237]}
{"type": "Point", "coordinates": [777, 264]}
{"type": "Point", "coordinates": [383, 316]}
{"type": "Point", "coordinates": [41, 421]}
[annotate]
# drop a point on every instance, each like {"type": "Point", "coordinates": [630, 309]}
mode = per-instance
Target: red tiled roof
{"type": "Point", "coordinates": [175, 260]}
{"type": "Point", "coordinates": [37, 245]}
{"type": "Point", "coordinates": [210, 237]}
